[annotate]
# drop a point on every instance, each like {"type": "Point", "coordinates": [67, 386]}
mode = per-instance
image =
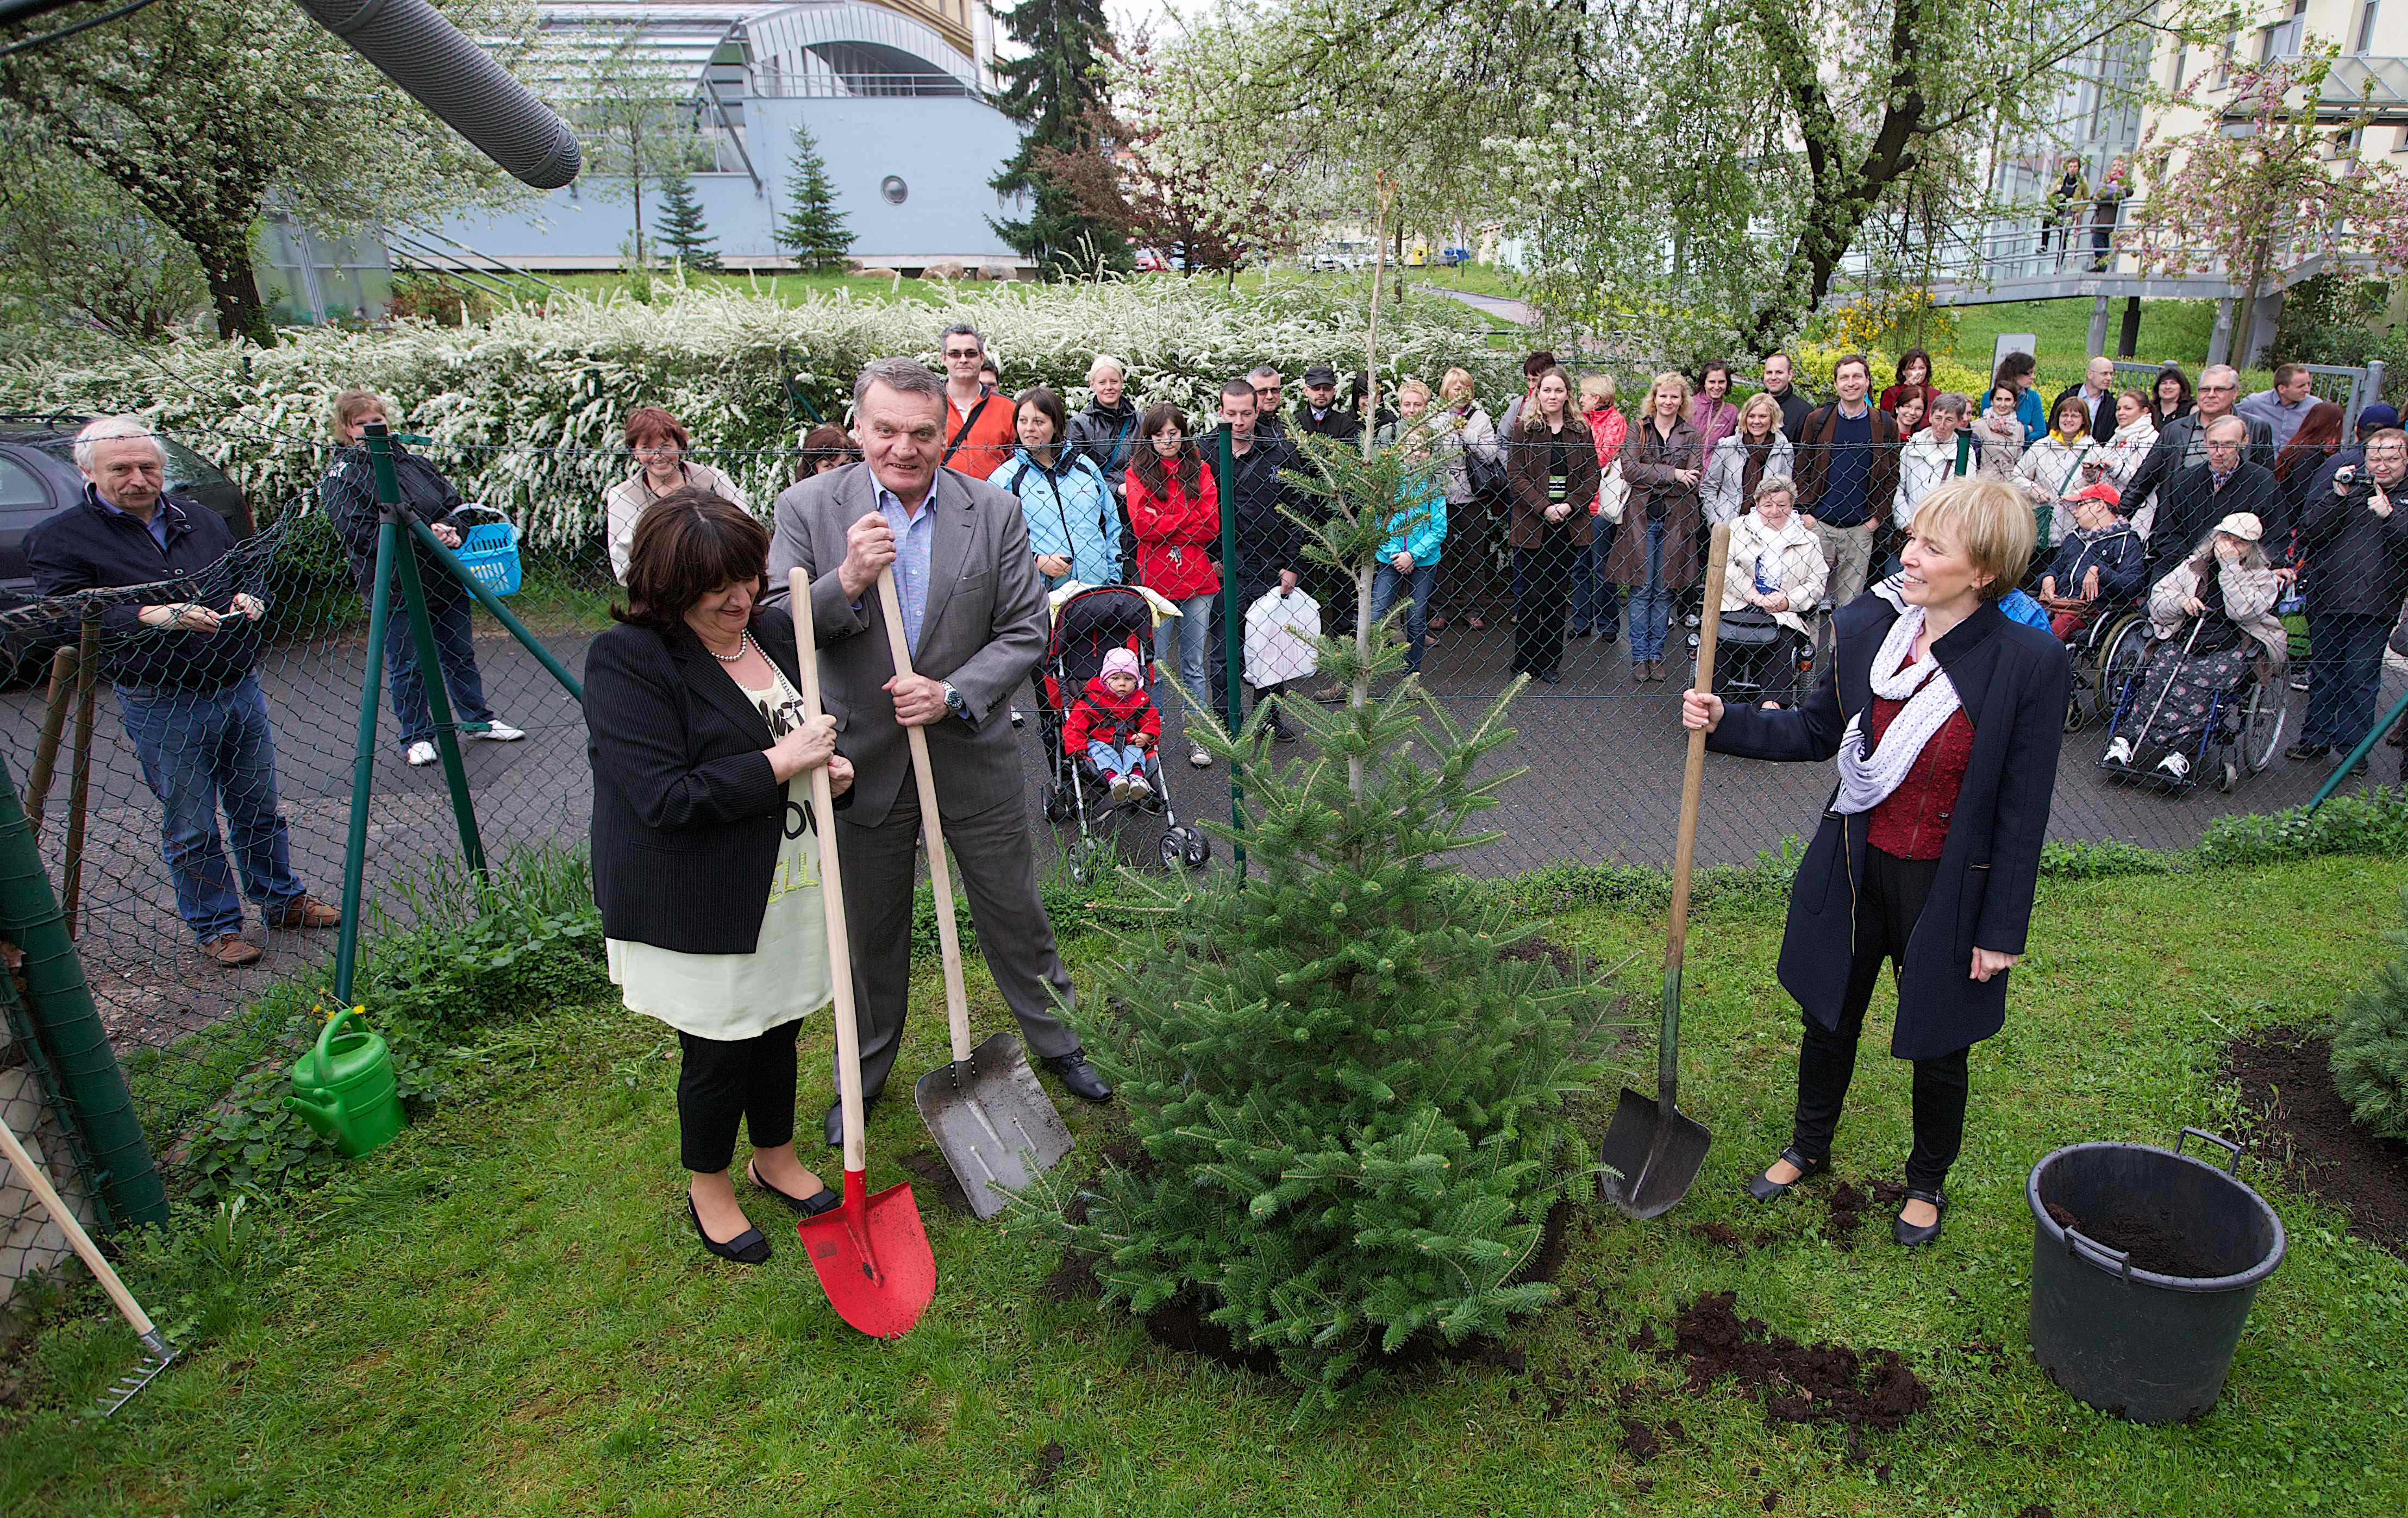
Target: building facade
{"type": "Point", "coordinates": [892, 91]}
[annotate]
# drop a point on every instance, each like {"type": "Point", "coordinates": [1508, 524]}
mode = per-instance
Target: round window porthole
{"type": "Point", "coordinates": [893, 189]}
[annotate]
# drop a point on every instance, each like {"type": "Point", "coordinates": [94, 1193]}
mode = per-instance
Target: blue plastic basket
{"type": "Point", "coordinates": [490, 552]}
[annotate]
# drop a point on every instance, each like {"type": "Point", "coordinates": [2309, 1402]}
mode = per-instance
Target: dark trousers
{"type": "Point", "coordinates": [722, 1079]}
{"type": "Point", "coordinates": [455, 648]}
{"type": "Point", "coordinates": [995, 868]}
{"type": "Point", "coordinates": [1892, 898]}
{"type": "Point", "coordinates": [1596, 600]}
{"type": "Point", "coordinates": [1466, 575]}
{"type": "Point", "coordinates": [2345, 674]}
{"type": "Point", "coordinates": [1542, 584]}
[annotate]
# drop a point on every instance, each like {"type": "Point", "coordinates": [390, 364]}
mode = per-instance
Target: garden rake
{"type": "Point", "coordinates": [157, 1353]}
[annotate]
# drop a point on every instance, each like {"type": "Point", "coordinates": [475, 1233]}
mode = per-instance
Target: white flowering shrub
{"type": "Point", "coordinates": [524, 412]}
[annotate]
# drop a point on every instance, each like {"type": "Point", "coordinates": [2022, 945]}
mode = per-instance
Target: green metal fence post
{"type": "Point", "coordinates": [2365, 745]}
{"type": "Point", "coordinates": [493, 602]}
{"type": "Point", "coordinates": [1224, 467]}
{"type": "Point", "coordinates": [69, 1026]}
{"type": "Point", "coordinates": [430, 668]}
{"type": "Point", "coordinates": [355, 845]}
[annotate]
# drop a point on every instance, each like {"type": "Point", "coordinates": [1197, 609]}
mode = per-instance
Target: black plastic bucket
{"type": "Point", "coordinates": [2150, 1347]}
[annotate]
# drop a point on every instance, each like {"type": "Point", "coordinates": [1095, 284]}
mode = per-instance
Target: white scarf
{"type": "Point", "coordinates": [1931, 699]}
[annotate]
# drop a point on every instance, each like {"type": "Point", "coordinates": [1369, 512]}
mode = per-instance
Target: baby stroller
{"type": "Point", "coordinates": [1087, 624]}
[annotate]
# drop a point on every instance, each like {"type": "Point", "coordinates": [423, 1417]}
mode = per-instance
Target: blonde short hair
{"type": "Point", "coordinates": [1671, 377]}
{"type": "Point", "coordinates": [1989, 521]}
{"type": "Point", "coordinates": [1754, 401]}
{"type": "Point", "coordinates": [1597, 384]}
{"type": "Point", "coordinates": [355, 403]}
{"type": "Point", "coordinates": [1415, 387]}
{"type": "Point", "coordinates": [1452, 382]}
{"type": "Point", "coordinates": [1105, 361]}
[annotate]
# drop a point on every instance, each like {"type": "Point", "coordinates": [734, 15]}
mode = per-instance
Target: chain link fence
{"type": "Point", "coordinates": [246, 719]}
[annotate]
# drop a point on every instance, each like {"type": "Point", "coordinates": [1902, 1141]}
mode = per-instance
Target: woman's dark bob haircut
{"type": "Point", "coordinates": [688, 544]}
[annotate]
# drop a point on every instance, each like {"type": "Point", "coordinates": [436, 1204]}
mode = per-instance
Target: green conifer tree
{"type": "Point", "coordinates": [2369, 1047]}
{"type": "Point", "coordinates": [1053, 91]}
{"type": "Point", "coordinates": [1353, 1097]}
{"type": "Point", "coordinates": [683, 234]}
{"type": "Point", "coordinates": [812, 230]}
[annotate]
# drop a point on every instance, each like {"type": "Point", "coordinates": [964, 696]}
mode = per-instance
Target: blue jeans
{"type": "Point", "coordinates": [200, 749]}
{"type": "Point", "coordinates": [2345, 670]}
{"type": "Point", "coordinates": [455, 648]}
{"type": "Point", "coordinates": [1415, 584]}
{"type": "Point", "coordinates": [1127, 760]}
{"type": "Point", "coordinates": [1596, 600]}
{"type": "Point", "coordinates": [1194, 629]}
{"type": "Point", "coordinates": [1651, 604]}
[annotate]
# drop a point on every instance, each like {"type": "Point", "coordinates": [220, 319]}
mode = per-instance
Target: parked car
{"type": "Point", "coordinates": [1150, 261]}
{"type": "Point", "coordinates": [38, 478]}
{"type": "Point", "coordinates": [1455, 256]}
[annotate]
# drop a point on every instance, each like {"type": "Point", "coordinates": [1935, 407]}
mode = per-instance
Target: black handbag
{"type": "Point", "coordinates": [1750, 627]}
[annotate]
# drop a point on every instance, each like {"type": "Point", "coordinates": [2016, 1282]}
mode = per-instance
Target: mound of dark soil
{"type": "Point", "coordinates": [941, 1183]}
{"type": "Point", "coordinates": [2286, 1079]}
{"type": "Point", "coordinates": [2151, 1247]}
{"type": "Point", "coordinates": [1798, 1382]}
{"type": "Point", "coordinates": [1545, 949]}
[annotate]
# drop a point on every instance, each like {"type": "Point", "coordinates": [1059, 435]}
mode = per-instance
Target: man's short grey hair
{"type": "Point", "coordinates": [962, 329]}
{"type": "Point", "coordinates": [1778, 484]}
{"type": "Point", "coordinates": [1263, 371]}
{"type": "Point", "coordinates": [108, 429]}
{"type": "Point", "coordinates": [1949, 400]}
{"type": "Point", "coordinates": [2223, 373]}
{"type": "Point", "coordinates": [904, 376]}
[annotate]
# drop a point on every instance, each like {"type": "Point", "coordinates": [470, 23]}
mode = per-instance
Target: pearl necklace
{"type": "Point", "coordinates": [744, 640]}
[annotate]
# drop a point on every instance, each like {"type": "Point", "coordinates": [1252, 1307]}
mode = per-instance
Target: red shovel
{"type": "Point", "coordinates": [872, 1252]}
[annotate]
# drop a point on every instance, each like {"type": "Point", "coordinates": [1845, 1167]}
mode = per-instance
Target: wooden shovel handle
{"type": "Point", "coordinates": [86, 1251]}
{"type": "Point", "coordinates": [839, 947]}
{"type": "Point", "coordinates": [1693, 774]}
{"type": "Point", "coordinates": [940, 873]}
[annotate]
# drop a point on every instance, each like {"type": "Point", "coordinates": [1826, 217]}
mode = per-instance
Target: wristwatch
{"type": "Point", "coordinates": [954, 703]}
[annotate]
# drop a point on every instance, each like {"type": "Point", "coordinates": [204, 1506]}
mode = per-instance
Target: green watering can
{"type": "Point", "coordinates": [344, 1087]}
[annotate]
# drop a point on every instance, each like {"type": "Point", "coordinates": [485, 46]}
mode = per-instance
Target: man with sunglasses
{"type": "Point", "coordinates": [981, 422]}
{"type": "Point", "coordinates": [2181, 444]}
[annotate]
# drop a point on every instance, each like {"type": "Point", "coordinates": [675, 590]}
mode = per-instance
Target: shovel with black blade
{"type": "Point", "coordinates": [990, 1118]}
{"type": "Point", "coordinates": [1651, 1150]}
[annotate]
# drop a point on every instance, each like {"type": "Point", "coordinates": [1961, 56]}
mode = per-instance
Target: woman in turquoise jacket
{"type": "Point", "coordinates": [1408, 554]}
{"type": "Point", "coordinates": [1074, 524]}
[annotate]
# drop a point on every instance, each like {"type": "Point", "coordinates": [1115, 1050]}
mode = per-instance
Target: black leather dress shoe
{"type": "Point", "coordinates": [810, 1207]}
{"type": "Point", "coordinates": [1079, 1076]}
{"type": "Point", "coordinates": [1912, 1236]}
{"type": "Point", "coordinates": [747, 1248]}
{"type": "Point", "coordinates": [1767, 1190]}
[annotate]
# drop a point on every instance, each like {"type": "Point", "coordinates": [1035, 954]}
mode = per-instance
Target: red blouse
{"type": "Point", "coordinates": [1912, 823]}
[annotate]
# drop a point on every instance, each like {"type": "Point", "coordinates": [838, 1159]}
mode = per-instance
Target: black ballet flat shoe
{"type": "Point", "coordinates": [810, 1207]}
{"type": "Point", "coordinates": [1910, 1237]}
{"type": "Point", "coordinates": [1765, 1189]}
{"type": "Point", "coordinates": [747, 1248]}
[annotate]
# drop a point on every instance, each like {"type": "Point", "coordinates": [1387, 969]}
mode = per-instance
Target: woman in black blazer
{"type": "Point", "coordinates": [1946, 718]}
{"type": "Point", "coordinates": [704, 864]}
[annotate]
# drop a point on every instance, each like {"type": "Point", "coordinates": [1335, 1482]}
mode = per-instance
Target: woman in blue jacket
{"type": "Point", "coordinates": [1074, 527]}
{"type": "Point", "coordinates": [1946, 718]}
{"type": "Point", "coordinates": [1409, 553]}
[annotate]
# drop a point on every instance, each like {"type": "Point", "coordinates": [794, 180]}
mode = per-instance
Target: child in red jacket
{"type": "Point", "coordinates": [1114, 724]}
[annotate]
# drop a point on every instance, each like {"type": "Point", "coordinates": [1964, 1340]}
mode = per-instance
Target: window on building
{"type": "Point", "coordinates": [2181, 59]}
{"type": "Point", "coordinates": [2367, 15]}
{"type": "Point", "coordinates": [2282, 38]}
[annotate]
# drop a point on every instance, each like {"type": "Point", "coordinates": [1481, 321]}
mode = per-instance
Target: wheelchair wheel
{"type": "Point", "coordinates": [2261, 726]}
{"type": "Point", "coordinates": [2126, 650]}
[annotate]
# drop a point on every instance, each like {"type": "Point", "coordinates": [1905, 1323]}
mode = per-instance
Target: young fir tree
{"type": "Point", "coordinates": [1052, 90]}
{"type": "Point", "coordinates": [1353, 1099]}
{"type": "Point", "coordinates": [682, 235]}
{"type": "Point", "coordinates": [2369, 1048]}
{"type": "Point", "coordinates": [813, 230]}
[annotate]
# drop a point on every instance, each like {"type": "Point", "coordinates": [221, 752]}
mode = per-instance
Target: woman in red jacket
{"type": "Point", "coordinates": [1175, 516]}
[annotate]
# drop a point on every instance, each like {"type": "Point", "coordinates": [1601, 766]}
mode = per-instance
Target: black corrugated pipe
{"type": "Point", "coordinates": [412, 43]}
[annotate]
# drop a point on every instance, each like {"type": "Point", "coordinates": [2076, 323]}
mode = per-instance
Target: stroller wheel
{"type": "Point", "coordinates": [1173, 848]}
{"type": "Point", "coordinates": [1200, 848]}
{"type": "Point", "coordinates": [1090, 859]}
{"type": "Point", "coordinates": [1057, 804]}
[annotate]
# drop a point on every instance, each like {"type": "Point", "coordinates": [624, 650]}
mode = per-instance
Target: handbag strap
{"type": "Point", "coordinates": [963, 430]}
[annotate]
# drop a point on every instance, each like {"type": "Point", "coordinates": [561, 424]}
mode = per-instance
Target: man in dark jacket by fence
{"type": "Point", "coordinates": [2355, 539]}
{"type": "Point", "coordinates": [2195, 500]}
{"type": "Point", "coordinates": [180, 655]}
{"type": "Point", "coordinates": [1847, 476]}
{"type": "Point", "coordinates": [1271, 548]}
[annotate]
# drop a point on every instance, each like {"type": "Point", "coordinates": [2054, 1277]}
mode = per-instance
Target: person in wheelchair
{"type": "Point", "coordinates": [2213, 617]}
{"type": "Point", "coordinates": [1775, 579]}
{"type": "Point", "coordinates": [2101, 563]}
{"type": "Point", "coordinates": [1114, 727]}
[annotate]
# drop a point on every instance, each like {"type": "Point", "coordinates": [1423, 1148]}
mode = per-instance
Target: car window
{"type": "Point", "coordinates": [186, 469]}
{"type": "Point", "coordinates": [20, 489]}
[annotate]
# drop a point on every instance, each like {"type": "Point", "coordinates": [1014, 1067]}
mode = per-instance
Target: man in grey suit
{"type": "Point", "coordinates": [974, 610]}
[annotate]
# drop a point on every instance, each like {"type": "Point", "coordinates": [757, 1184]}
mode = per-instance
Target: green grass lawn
{"type": "Point", "coordinates": [505, 1311]}
{"type": "Point", "coordinates": [2171, 331]}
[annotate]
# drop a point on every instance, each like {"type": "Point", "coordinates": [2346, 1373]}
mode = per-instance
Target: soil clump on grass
{"type": "Point", "coordinates": [943, 1184]}
{"type": "Point", "coordinates": [2285, 1080]}
{"type": "Point", "coordinates": [1546, 948]}
{"type": "Point", "coordinates": [1798, 1382]}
